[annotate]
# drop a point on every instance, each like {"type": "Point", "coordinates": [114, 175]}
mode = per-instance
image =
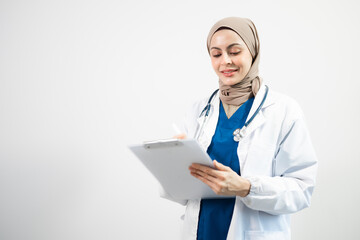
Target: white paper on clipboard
{"type": "Point", "coordinates": [169, 161]}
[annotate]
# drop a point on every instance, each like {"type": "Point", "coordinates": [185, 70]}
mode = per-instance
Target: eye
{"type": "Point", "coordinates": [215, 53]}
{"type": "Point", "coordinates": [235, 53]}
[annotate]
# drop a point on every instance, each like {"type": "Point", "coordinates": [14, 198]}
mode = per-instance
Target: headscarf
{"type": "Point", "coordinates": [248, 87]}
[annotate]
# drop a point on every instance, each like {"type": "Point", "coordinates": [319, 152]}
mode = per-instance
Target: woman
{"type": "Point", "coordinates": [269, 169]}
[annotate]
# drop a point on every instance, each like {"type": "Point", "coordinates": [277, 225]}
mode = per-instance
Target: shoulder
{"type": "Point", "coordinates": [199, 105]}
{"type": "Point", "coordinates": [284, 105]}
{"type": "Point", "coordinates": [193, 113]}
{"type": "Point", "coordinates": [283, 114]}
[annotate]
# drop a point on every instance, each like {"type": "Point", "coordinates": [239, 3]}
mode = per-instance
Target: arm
{"type": "Point", "coordinates": [221, 179]}
{"type": "Point", "coordinates": [295, 170]}
{"type": "Point", "coordinates": [288, 191]}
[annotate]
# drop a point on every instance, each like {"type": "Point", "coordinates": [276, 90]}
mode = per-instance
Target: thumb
{"type": "Point", "coordinates": [180, 136]}
{"type": "Point", "coordinates": [220, 166]}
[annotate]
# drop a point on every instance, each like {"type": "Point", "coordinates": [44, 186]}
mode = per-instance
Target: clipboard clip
{"type": "Point", "coordinates": [171, 142]}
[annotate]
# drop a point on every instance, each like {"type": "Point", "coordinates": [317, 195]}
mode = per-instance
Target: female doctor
{"type": "Point", "coordinates": [257, 138]}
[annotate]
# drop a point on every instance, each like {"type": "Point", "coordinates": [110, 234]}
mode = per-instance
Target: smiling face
{"type": "Point", "coordinates": [230, 57]}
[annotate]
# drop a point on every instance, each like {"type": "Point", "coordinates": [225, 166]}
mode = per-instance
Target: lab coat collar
{"type": "Point", "coordinates": [259, 118]}
{"type": "Point", "coordinates": [259, 97]}
{"type": "Point", "coordinates": [210, 126]}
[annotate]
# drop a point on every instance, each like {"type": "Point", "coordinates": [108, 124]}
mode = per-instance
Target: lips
{"type": "Point", "coordinates": [229, 72]}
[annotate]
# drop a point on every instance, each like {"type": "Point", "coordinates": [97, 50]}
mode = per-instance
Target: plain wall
{"type": "Point", "coordinates": [80, 80]}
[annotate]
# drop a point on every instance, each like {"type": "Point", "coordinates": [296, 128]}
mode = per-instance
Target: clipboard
{"type": "Point", "coordinates": [169, 160]}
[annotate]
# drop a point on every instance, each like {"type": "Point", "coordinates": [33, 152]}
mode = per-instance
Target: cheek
{"type": "Point", "coordinates": [248, 66]}
{"type": "Point", "coordinates": [215, 64]}
{"type": "Point", "coordinates": [244, 63]}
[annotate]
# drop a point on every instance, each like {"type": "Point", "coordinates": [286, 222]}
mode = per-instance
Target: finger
{"type": "Point", "coordinates": [205, 175]}
{"type": "Point", "coordinates": [212, 185]}
{"type": "Point", "coordinates": [196, 165]}
{"type": "Point", "coordinates": [203, 169]}
{"type": "Point", "coordinates": [200, 167]}
{"type": "Point", "coordinates": [180, 136]}
{"type": "Point", "coordinates": [220, 166]}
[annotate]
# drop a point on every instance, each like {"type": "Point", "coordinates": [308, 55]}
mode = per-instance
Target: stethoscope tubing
{"type": "Point", "coordinates": [259, 107]}
{"type": "Point", "coordinates": [238, 133]}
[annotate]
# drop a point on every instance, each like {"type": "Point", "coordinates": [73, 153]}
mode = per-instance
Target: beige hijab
{"type": "Point", "coordinates": [248, 87]}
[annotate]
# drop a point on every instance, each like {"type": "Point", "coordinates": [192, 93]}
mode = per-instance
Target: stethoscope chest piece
{"type": "Point", "coordinates": [238, 134]}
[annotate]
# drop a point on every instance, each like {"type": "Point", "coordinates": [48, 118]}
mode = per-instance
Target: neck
{"type": "Point", "coordinates": [230, 109]}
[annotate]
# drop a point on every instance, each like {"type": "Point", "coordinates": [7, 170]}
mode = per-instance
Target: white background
{"type": "Point", "coordinates": [80, 80]}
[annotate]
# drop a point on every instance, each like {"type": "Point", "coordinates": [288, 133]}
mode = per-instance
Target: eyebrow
{"type": "Point", "coordinates": [228, 47]}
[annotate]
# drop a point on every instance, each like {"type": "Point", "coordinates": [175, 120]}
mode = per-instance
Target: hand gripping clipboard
{"type": "Point", "coordinates": [169, 161]}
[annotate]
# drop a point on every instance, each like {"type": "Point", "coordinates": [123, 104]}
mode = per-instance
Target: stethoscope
{"type": "Point", "coordinates": [239, 133]}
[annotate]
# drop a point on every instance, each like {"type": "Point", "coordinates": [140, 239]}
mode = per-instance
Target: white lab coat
{"type": "Point", "coordinates": [276, 156]}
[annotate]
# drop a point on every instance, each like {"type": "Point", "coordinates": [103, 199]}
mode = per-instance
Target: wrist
{"type": "Point", "coordinates": [245, 189]}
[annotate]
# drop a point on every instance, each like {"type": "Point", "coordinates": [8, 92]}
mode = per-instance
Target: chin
{"type": "Point", "coordinates": [229, 82]}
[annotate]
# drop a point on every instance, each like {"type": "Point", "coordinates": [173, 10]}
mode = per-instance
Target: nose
{"type": "Point", "coordinates": [226, 59]}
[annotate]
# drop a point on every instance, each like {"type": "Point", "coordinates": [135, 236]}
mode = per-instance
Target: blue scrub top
{"type": "Point", "coordinates": [215, 214]}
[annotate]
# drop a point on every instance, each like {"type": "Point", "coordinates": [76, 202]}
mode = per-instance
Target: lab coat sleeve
{"type": "Point", "coordinates": [292, 185]}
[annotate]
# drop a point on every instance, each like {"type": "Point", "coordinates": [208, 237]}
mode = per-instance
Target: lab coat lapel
{"type": "Point", "coordinates": [259, 118]}
{"type": "Point", "coordinates": [256, 123]}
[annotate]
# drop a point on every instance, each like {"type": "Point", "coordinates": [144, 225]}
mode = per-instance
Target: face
{"type": "Point", "coordinates": [230, 57]}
